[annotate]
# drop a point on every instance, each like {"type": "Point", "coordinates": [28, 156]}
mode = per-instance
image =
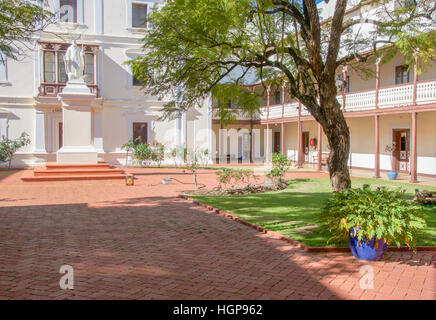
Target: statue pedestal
{"type": "Point", "coordinates": [78, 148]}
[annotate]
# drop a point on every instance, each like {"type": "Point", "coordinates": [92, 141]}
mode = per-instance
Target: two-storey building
{"type": "Point", "coordinates": [109, 32]}
{"type": "Point", "coordinates": [394, 108]}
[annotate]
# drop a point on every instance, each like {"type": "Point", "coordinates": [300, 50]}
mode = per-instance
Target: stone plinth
{"type": "Point", "coordinates": [76, 99]}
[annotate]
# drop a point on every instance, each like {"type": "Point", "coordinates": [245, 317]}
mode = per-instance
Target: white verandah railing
{"type": "Point", "coordinates": [390, 97]}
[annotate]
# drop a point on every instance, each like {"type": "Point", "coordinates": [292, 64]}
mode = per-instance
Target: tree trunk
{"type": "Point", "coordinates": [338, 135]}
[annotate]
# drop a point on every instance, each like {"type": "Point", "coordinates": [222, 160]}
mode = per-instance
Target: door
{"type": "Point", "coordinates": [61, 134]}
{"type": "Point", "coordinates": [277, 142]}
{"type": "Point", "coordinates": [140, 132]}
{"type": "Point", "coordinates": [400, 155]}
{"type": "Point", "coordinates": [305, 143]}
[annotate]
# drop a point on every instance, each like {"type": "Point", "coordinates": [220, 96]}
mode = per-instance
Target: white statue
{"type": "Point", "coordinates": [74, 62]}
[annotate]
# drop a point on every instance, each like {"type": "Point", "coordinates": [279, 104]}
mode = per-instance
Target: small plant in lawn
{"type": "Point", "coordinates": [9, 147]}
{"type": "Point", "coordinates": [128, 146]}
{"type": "Point", "coordinates": [158, 154]}
{"type": "Point", "coordinates": [193, 164]}
{"type": "Point", "coordinates": [280, 165]}
{"type": "Point", "coordinates": [173, 155]}
{"type": "Point", "coordinates": [373, 214]}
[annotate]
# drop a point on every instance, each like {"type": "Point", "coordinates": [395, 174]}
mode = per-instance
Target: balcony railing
{"type": "Point", "coordinates": [389, 97]}
{"type": "Point", "coordinates": [52, 89]}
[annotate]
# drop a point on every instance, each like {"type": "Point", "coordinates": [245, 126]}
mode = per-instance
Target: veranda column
{"type": "Point", "coordinates": [344, 76]}
{"type": "Point", "coordinates": [413, 159]}
{"type": "Point", "coordinates": [98, 129]}
{"type": "Point", "coordinates": [415, 79]}
{"type": "Point", "coordinates": [268, 147]}
{"type": "Point", "coordinates": [300, 144]}
{"type": "Point", "coordinates": [377, 147]}
{"type": "Point", "coordinates": [319, 147]}
{"type": "Point", "coordinates": [40, 131]}
{"type": "Point", "coordinates": [377, 122]}
{"type": "Point", "coordinates": [282, 142]}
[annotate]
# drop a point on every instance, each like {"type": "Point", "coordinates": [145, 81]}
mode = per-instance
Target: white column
{"type": "Point", "coordinates": [80, 12]}
{"type": "Point", "coordinates": [210, 147]}
{"type": "Point", "coordinates": [40, 131]}
{"type": "Point", "coordinates": [98, 16]}
{"type": "Point", "coordinates": [37, 67]}
{"type": "Point", "coordinates": [183, 129]}
{"type": "Point", "coordinates": [98, 130]}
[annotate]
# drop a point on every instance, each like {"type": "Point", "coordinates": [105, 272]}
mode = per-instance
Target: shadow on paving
{"type": "Point", "coordinates": [164, 248]}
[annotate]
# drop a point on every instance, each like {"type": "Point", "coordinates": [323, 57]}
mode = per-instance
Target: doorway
{"type": "Point", "coordinates": [305, 144]}
{"type": "Point", "coordinates": [277, 142]}
{"type": "Point", "coordinates": [60, 134]}
{"type": "Point", "coordinates": [400, 155]}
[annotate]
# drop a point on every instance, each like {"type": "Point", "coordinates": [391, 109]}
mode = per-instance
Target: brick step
{"type": "Point", "coordinates": [73, 177]}
{"type": "Point", "coordinates": [75, 172]}
{"type": "Point", "coordinates": [56, 166]}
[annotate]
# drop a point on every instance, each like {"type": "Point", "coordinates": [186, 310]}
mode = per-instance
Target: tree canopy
{"type": "Point", "coordinates": [197, 45]}
{"type": "Point", "coordinates": [19, 19]}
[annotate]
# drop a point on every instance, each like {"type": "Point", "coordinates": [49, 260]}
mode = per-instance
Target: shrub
{"type": "Point", "coordinates": [227, 176]}
{"type": "Point", "coordinates": [128, 146]}
{"type": "Point", "coordinates": [280, 165]}
{"type": "Point", "coordinates": [9, 147]}
{"type": "Point", "coordinates": [158, 154]}
{"type": "Point", "coordinates": [142, 152]}
{"type": "Point", "coordinates": [224, 176]}
{"type": "Point", "coordinates": [379, 213]}
{"type": "Point", "coordinates": [173, 154]}
{"type": "Point", "coordinates": [193, 164]}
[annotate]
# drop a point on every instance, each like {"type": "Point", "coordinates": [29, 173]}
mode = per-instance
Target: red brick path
{"type": "Point", "coordinates": [143, 242]}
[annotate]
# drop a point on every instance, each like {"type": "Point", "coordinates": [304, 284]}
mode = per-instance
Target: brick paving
{"type": "Point", "coordinates": [143, 242]}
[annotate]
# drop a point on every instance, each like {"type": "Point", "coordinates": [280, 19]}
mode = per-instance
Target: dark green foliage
{"type": "Point", "coordinates": [380, 213]}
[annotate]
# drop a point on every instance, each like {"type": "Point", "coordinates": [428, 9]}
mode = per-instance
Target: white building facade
{"type": "Point", "coordinates": [109, 33]}
{"type": "Point", "coordinates": [397, 106]}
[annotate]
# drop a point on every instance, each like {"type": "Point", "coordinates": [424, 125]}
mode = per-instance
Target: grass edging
{"type": "Point", "coordinates": [296, 243]}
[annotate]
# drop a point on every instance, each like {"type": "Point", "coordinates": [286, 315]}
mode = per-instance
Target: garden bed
{"type": "Point", "coordinates": [293, 212]}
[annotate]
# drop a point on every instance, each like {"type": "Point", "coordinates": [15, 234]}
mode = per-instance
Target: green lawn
{"type": "Point", "coordinates": [293, 212]}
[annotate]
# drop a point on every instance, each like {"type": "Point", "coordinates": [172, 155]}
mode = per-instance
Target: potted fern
{"type": "Point", "coordinates": [392, 175]}
{"type": "Point", "coordinates": [371, 220]}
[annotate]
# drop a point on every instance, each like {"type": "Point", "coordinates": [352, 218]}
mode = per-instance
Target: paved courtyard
{"type": "Point", "coordinates": [143, 242]}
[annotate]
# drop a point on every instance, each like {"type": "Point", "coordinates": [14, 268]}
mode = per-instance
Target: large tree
{"type": "Point", "coordinates": [197, 44]}
{"type": "Point", "coordinates": [19, 20]}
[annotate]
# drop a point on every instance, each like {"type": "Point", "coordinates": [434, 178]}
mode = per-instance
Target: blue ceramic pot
{"type": "Point", "coordinates": [367, 250]}
{"type": "Point", "coordinates": [327, 167]}
{"type": "Point", "coordinates": [392, 175]}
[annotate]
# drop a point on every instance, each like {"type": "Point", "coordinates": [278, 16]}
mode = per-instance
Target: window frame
{"type": "Point", "coordinates": [146, 131]}
{"type": "Point", "coordinates": [79, 13]}
{"type": "Point", "coordinates": [56, 49]}
{"type": "Point", "coordinates": [129, 10]}
{"type": "Point", "coordinates": [76, 13]}
{"type": "Point", "coordinates": [404, 69]}
{"type": "Point", "coordinates": [55, 71]}
{"type": "Point", "coordinates": [142, 25]}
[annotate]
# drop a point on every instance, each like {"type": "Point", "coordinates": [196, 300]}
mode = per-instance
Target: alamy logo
{"type": "Point", "coordinates": [67, 13]}
{"type": "Point", "coordinates": [367, 279]}
{"type": "Point", "coordinates": [67, 280]}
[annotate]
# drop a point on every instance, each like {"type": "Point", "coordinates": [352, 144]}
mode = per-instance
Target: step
{"type": "Point", "coordinates": [66, 172]}
{"type": "Point", "coordinates": [56, 166]}
{"type": "Point", "coordinates": [73, 177]}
